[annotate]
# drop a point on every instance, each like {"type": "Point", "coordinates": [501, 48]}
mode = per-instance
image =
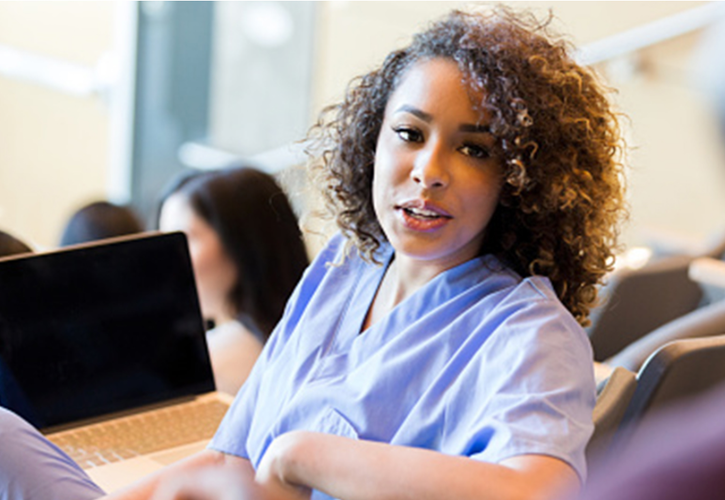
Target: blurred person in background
{"type": "Point", "coordinates": [248, 254]}
{"type": "Point", "coordinates": [678, 454]}
{"type": "Point", "coordinates": [100, 220]}
{"type": "Point", "coordinates": [10, 245]}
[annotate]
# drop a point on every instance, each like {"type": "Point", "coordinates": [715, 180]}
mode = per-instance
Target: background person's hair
{"type": "Point", "coordinates": [558, 140]}
{"type": "Point", "coordinates": [10, 245]}
{"type": "Point", "coordinates": [259, 231]}
{"type": "Point", "coordinates": [100, 220]}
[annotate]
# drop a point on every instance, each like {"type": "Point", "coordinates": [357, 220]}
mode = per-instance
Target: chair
{"type": "Point", "coordinates": [641, 300]}
{"type": "Point", "coordinates": [677, 370]}
{"type": "Point", "coordinates": [709, 273]}
{"type": "Point", "coordinates": [704, 322]}
{"type": "Point", "coordinates": [613, 397]}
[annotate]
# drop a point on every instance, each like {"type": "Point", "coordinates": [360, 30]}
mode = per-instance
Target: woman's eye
{"type": "Point", "coordinates": [409, 134]}
{"type": "Point", "coordinates": [475, 151]}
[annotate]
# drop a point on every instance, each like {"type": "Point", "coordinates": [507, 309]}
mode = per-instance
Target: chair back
{"type": "Point", "coordinates": [679, 369]}
{"type": "Point", "coordinates": [641, 300]}
{"type": "Point", "coordinates": [612, 401]}
{"type": "Point", "coordinates": [706, 321]}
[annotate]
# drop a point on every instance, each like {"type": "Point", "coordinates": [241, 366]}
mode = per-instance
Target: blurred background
{"type": "Point", "coordinates": [107, 100]}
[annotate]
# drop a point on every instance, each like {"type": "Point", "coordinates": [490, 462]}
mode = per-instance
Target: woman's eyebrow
{"type": "Point", "coordinates": [427, 117]}
{"type": "Point", "coordinates": [407, 108]}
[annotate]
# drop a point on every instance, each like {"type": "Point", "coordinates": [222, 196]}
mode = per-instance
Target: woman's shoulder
{"type": "Point", "coordinates": [333, 272]}
{"type": "Point", "coordinates": [529, 304]}
{"type": "Point", "coordinates": [517, 288]}
{"type": "Point", "coordinates": [340, 256]}
{"type": "Point", "coordinates": [536, 317]}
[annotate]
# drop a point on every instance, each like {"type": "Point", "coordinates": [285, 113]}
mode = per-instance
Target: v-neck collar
{"type": "Point", "coordinates": [362, 298]}
{"type": "Point", "coordinates": [443, 286]}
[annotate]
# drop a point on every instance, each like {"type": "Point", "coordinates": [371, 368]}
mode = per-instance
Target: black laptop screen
{"type": "Point", "coordinates": [100, 329]}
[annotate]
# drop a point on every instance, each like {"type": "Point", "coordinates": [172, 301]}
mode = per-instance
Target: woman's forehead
{"type": "Point", "coordinates": [437, 84]}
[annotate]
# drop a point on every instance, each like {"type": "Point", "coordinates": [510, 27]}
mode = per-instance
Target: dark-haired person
{"type": "Point", "coordinates": [10, 245]}
{"type": "Point", "coordinates": [434, 349]}
{"type": "Point", "coordinates": [247, 253]}
{"type": "Point", "coordinates": [100, 220]}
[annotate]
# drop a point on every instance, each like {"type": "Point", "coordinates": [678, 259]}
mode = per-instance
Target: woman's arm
{"type": "Point", "coordinates": [362, 470]}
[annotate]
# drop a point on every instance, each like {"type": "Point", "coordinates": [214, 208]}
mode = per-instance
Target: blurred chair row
{"type": "Point", "coordinates": [661, 338]}
{"type": "Point", "coordinates": [637, 301]}
{"type": "Point", "coordinates": [655, 301]}
{"type": "Point", "coordinates": [678, 370]}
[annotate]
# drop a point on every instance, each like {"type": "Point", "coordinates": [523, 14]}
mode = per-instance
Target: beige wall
{"type": "Point", "coordinates": [355, 36]}
{"type": "Point", "coordinates": [677, 176]}
{"type": "Point", "coordinates": [53, 146]}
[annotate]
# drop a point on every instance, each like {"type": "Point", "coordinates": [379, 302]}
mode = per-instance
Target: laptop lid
{"type": "Point", "coordinates": [100, 328]}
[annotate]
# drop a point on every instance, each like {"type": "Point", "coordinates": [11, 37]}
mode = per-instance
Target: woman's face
{"type": "Point", "coordinates": [214, 270]}
{"type": "Point", "coordinates": [436, 184]}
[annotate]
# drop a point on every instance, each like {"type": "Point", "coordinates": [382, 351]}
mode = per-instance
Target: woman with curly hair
{"type": "Point", "coordinates": [435, 348]}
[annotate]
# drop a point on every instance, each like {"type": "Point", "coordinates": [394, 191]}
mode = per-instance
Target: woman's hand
{"type": "Point", "coordinates": [208, 475]}
{"type": "Point", "coordinates": [213, 475]}
{"type": "Point", "coordinates": [206, 484]}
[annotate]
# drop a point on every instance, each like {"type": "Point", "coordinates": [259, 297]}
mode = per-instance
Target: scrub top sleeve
{"type": "Point", "coordinates": [540, 400]}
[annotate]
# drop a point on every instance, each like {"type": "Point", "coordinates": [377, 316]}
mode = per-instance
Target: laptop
{"type": "Point", "coordinates": [103, 342]}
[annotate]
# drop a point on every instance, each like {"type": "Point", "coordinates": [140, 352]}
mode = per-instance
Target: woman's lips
{"type": "Point", "coordinates": [421, 215]}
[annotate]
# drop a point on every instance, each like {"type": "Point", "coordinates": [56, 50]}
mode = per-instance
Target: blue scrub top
{"type": "Point", "coordinates": [479, 362]}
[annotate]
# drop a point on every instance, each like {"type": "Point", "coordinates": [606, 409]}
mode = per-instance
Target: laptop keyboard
{"type": "Point", "coordinates": [128, 437]}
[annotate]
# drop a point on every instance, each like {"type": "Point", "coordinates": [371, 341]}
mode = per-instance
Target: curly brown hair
{"type": "Point", "coordinates": [557, 137]}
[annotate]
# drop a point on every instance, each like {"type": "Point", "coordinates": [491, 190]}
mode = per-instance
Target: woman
{"type": "Point", "coordinates": [100, 220]}
{"type": "Point", "coordinates": [247, 253]}
{"type": "Point", "coordinates": [434, 349]}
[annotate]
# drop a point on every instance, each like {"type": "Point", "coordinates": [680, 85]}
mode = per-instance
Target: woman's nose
{"type": "Point", "coordinates": [430, 169]}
